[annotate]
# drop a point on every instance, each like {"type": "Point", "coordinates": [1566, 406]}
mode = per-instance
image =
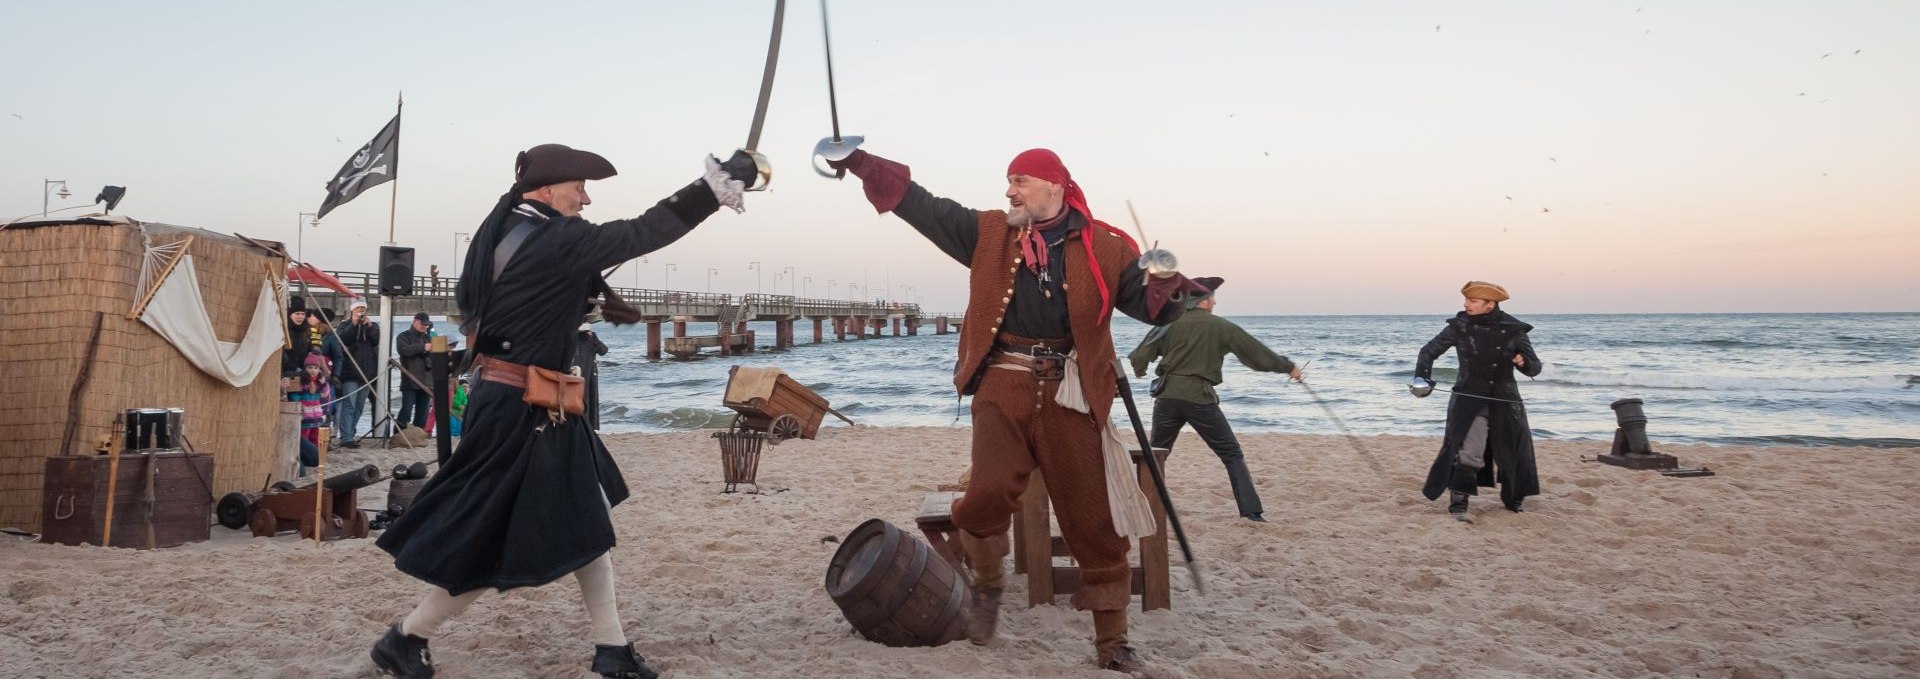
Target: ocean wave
{"type": "Point", "coordinates": [1709, 382]}
{"type": "Point", "coordinates": [684, 418]}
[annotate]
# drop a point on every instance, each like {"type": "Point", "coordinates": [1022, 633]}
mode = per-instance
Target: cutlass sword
{"type": "Point", "coordinates": [835, 147]}
{"type": "Point", "coordinates": [766, 93]}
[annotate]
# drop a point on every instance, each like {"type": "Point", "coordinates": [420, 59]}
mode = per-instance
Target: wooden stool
{"type": "Point", "coordinates": [1035, 545]}
{"type": "Point", "coordinates": [936, 523]}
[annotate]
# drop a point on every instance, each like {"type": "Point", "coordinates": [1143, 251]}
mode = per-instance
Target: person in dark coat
{"type": "Point", "coordinates": [586, 358]}
{"type": "Point", "coordinates": [293, 358]}
{"type": "Point", "coordinates": [412, 346]}
{"type": "Point", "coordinates": [361, 337]}
{"type": "Point", "coordinates": [525, 498]}
{"type": "Point", "coordinates": [1487, 438]}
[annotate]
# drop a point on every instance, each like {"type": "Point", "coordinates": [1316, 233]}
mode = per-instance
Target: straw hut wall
{"type": "Point", "coordinates": [54, 276]}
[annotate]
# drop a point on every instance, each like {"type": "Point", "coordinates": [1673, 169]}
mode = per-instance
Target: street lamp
{"type": "Point", "coordinates": [667, 270]}
{"type": "Point", "coordinates": [791, 274]}
{"type": "Point", "coordinates": [46, 186]}
{"type": "Point", "coordinates": [458, 238]}
{"type": "Point", "coordinates": [300, 235]}
{"type": "Point", "coordinates": [804, 280]}
{"type": "Point", "coordinates": [830, 283]}
{"type": "Point", "coordinates": [710, 272]}
{"type": "Point", "coordinates": [756, 275]}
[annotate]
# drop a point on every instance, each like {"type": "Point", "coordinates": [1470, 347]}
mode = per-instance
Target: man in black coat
{"type": "Point", "coordinates": [411, 345]}
{"type": "Point", "coordinates": [587, 359]}
{"type": "Point", "coordinates": [361, 337]}
{"type": "Point", "coordinates": [525, 499]}
{"type": "Point", "coordinates": [1487, 438]}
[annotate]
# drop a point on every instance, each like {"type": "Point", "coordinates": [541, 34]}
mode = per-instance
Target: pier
{"type": "Point", "coordinates": [667, 313]}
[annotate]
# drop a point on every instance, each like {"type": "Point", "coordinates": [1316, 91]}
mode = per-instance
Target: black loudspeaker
{"type": "Point", "coordinates": [396, 270]}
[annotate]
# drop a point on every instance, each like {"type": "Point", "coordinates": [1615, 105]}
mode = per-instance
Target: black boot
{"type": "Point", "coordinates": [403, 655]}
{"type": "Point", "coordinates": [1514, 505]}
{"type": "Point", "coordinates": [620, 662]}
{"type": "Point", "coordinates": [1458, 507]}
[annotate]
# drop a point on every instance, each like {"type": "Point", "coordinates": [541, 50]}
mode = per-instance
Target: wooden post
{"type": "Point", "coordinates": [442, 399]}
{"type": "Point", "coordinates": [726, 347]}
{"type": "Point", "coordinates": [320, 486]}
{"type": "Point", "coordinates": [653, 340]}
{"type": "Point", "coordinates": [816, 330]}
{"type": "Point", "coordinates": [1153, 548]}
{"type": "Point", "coordinates": [113, 475]}
{"type": "Point", "coordinates": [1036, 539]}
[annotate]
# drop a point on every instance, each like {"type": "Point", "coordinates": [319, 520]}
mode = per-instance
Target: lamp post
{"type": "Point", "coordinates": [830, 283]}
{"type": "Point", "coordinates": [46, 186]}
{"type": "Point", "coordinates": [710, 272]}
{"type": "Point", "coordinates": [756, 274]}
{"type": "Point", "coordinates": [804, 280]}
{"type": "Point", "coordinates": [667, 271]}
{"type": "Point", "coordinates": [636, 273]}
{"type": "Point", "coordinates": [300, 234]}
{"type": "Point", "coordinates": [791, 274]}
{"type": "Point", "coordinates": [458, 238]}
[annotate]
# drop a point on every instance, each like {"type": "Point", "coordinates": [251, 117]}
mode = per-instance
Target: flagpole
{"type": "Point", "coordinates": [386, 301]}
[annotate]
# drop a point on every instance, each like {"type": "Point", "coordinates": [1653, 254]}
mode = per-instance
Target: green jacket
{"type": "Point", "coordinates": [1191, 350]}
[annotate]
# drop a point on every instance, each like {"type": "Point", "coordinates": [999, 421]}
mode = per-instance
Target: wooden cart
{"type": "Point", "coordinates": [766, 400]}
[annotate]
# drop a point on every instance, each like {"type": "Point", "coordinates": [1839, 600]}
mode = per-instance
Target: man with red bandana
{"type": "Point", "coordinates": [1036, 352]}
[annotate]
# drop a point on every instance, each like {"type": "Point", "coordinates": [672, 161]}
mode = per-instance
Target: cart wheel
{"type": "Point", "coordinates": [784, 427]}
{"type": "Point", "coordinates": [738, 425]}
{"type": "Point", "coordinates": [283, 486]}
{"type": "Point", "coordinates": [361, 524]}
{"type": "Point", "coordinates": [233, 510]}
{"type": "Point", "coordinates": [263, 522]}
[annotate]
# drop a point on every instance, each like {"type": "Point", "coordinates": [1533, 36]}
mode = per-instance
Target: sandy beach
{"type": "Point", "coordinates": [1792, 562]}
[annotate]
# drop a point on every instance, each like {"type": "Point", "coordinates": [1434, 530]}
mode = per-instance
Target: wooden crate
{"type": "Point", "coordinates": [74, 499]}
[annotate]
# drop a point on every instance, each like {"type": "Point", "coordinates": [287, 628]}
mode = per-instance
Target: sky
{"type": "Point", "coordinates": [1324, 158]}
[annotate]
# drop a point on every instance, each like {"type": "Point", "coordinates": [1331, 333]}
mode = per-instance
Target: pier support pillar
{"type": "Point", "coordinates": [653, 340]}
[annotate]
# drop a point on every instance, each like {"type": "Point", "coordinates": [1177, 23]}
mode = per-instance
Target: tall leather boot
{"type": "Point", "coordinates": [1458, 507]}
{"type": "Point", "coordinates": [1111, 651]}
{"type": "Point", "coordinates": [986, 557]}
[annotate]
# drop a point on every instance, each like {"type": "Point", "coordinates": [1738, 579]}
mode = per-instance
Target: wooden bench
{"type": "Point", "coordinates": [1034, 549]}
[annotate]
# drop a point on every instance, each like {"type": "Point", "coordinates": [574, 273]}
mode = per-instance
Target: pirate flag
{"type": "Point", "coordinates": [376, 163]}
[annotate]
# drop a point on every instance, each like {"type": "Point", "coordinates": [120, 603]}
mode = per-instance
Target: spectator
{"type": "Point", "coordinates": [294, 357]}
{"type": "Point", "coordinates": [459, 406]}
{"type": "Point", "coordinates": [360, 336]}
{"type": "Point", "coordinates": [411, 344]}
{"type": "Point", "coordinates": [313, 394]}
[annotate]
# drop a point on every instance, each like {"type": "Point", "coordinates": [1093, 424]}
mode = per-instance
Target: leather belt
{"type": "Point", "coordinates": [504, 372]}
{"type": "Point", "coordinates": [1046, 366]}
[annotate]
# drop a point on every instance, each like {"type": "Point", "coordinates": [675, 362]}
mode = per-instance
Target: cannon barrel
{"type": "Point", "coordinates": [354, 479]}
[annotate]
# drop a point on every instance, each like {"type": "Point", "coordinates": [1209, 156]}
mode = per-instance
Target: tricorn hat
{"type": "Point", "coordinates": [555, 163]}
{"type": "Point", "coordinates": [1211, 283]}
{"type": "Point", "coordinates": [1484, 290]}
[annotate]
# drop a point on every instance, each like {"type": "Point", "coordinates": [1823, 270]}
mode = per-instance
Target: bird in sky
{"type": "Point", "coordinates": [16, 116]}
{"type": "Point", "coordinates": [1856, 53]}
{"type": "Point", "coordinates": [1552, 159]}
{"type": "Point", "coordinates": [1823, 56]}
{"type": "Point", "coordinates": [1509, 199]}
{"type": "Point", "coordinates": [1436, 28]}
{"type": "Point", "coordinates": [1545, 210]}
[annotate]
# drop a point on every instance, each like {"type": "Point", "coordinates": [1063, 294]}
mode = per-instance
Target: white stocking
{"type": "Point", "coordinates": [425, 620]}
{"type": "Point", "coordinates": [596, 587]}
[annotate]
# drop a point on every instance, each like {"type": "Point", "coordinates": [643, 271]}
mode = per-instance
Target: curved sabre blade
{"type": "Point", "coordinates": [766, 77]}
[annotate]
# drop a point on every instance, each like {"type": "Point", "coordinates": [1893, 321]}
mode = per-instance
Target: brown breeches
{"type": "Point", "coordinates": [1011, 437]}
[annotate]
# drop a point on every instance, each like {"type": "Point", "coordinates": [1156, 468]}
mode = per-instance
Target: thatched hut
{"type": "Point", "coordinates": [217, 297]}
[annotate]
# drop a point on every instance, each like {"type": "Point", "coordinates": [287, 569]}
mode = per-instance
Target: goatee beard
{"type": "Point", "coordinates": [1019, 217]}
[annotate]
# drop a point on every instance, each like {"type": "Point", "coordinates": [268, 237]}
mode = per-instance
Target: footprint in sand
{"type": "Point", "coordinates": [1582, 497]}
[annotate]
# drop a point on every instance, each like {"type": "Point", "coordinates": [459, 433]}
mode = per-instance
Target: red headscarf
{"type": "Point", "coordinates": [1044, 164]}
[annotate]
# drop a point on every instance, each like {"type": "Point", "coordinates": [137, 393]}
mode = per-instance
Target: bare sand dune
{"type": "Point", "coordinates": [1791, 563]}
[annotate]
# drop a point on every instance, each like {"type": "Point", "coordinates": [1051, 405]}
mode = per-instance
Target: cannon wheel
{"type": "Point", "coordinates": [233, 510]}
{"type": "Point", "coordinates": [361, 524]}
{"type": "Point", "coordinates": [263, 522]}
{"type": "Point", "coordinates": [284, 486]}
{"type": "Point", "coordinates": [784, 427]}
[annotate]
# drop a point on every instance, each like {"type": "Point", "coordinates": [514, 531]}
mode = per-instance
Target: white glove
{"type": "Point", "coordinates": [729, 191]}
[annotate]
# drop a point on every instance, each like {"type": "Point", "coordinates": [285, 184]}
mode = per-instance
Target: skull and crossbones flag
{"type": "Point", "coordinates": [376, 163]}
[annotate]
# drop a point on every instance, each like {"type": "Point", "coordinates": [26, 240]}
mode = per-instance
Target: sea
{"type": "Point", "coordinates": [1747, 379]}
{"type": "Point", "coordinates": [1844, 379]}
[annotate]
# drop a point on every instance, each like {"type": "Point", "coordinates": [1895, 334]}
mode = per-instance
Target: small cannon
{"type": "Point", "coordinates": [275, 509]}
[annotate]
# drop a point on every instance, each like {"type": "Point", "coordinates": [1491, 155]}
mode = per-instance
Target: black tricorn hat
{"type": "Point", "coordinates": [555, 163]}
{"type": "Point", "coordinates": [1211, 283]}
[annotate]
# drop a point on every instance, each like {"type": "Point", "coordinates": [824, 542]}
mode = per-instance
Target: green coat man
{"type": "Point", "coordinates": [1191, 351]}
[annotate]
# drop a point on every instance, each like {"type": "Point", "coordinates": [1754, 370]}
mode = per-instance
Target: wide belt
{"type": "Point", "coordinates": [1046, 366]}
{"type": "Point", "coordinates": [508, 373]}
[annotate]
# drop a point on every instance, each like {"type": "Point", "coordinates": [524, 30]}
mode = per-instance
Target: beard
{"type": "Point", "coordinates": [1019, 217]}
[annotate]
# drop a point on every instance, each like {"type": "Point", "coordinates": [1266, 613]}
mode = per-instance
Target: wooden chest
{"type": "Point", "coordinates": [74, 499]}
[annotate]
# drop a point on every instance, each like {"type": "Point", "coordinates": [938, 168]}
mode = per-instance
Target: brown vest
{"type": "Point", "coordinates": [996, 258]}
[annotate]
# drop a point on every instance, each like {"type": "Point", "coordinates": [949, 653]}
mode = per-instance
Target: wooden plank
{"type": "Point", "coordinates": [1158, 592]}
{"type": "Point", "coordinates": [1036, 537]}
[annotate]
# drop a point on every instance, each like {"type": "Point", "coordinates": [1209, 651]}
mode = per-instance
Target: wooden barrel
{"type": "Point", "coordinates": [400, 493]}
{"type": "Point", "coordinates": [895, 589]}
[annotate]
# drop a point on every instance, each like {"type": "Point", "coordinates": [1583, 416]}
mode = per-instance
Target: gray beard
{"type": "Point", "coordinates": [1019, 217]}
